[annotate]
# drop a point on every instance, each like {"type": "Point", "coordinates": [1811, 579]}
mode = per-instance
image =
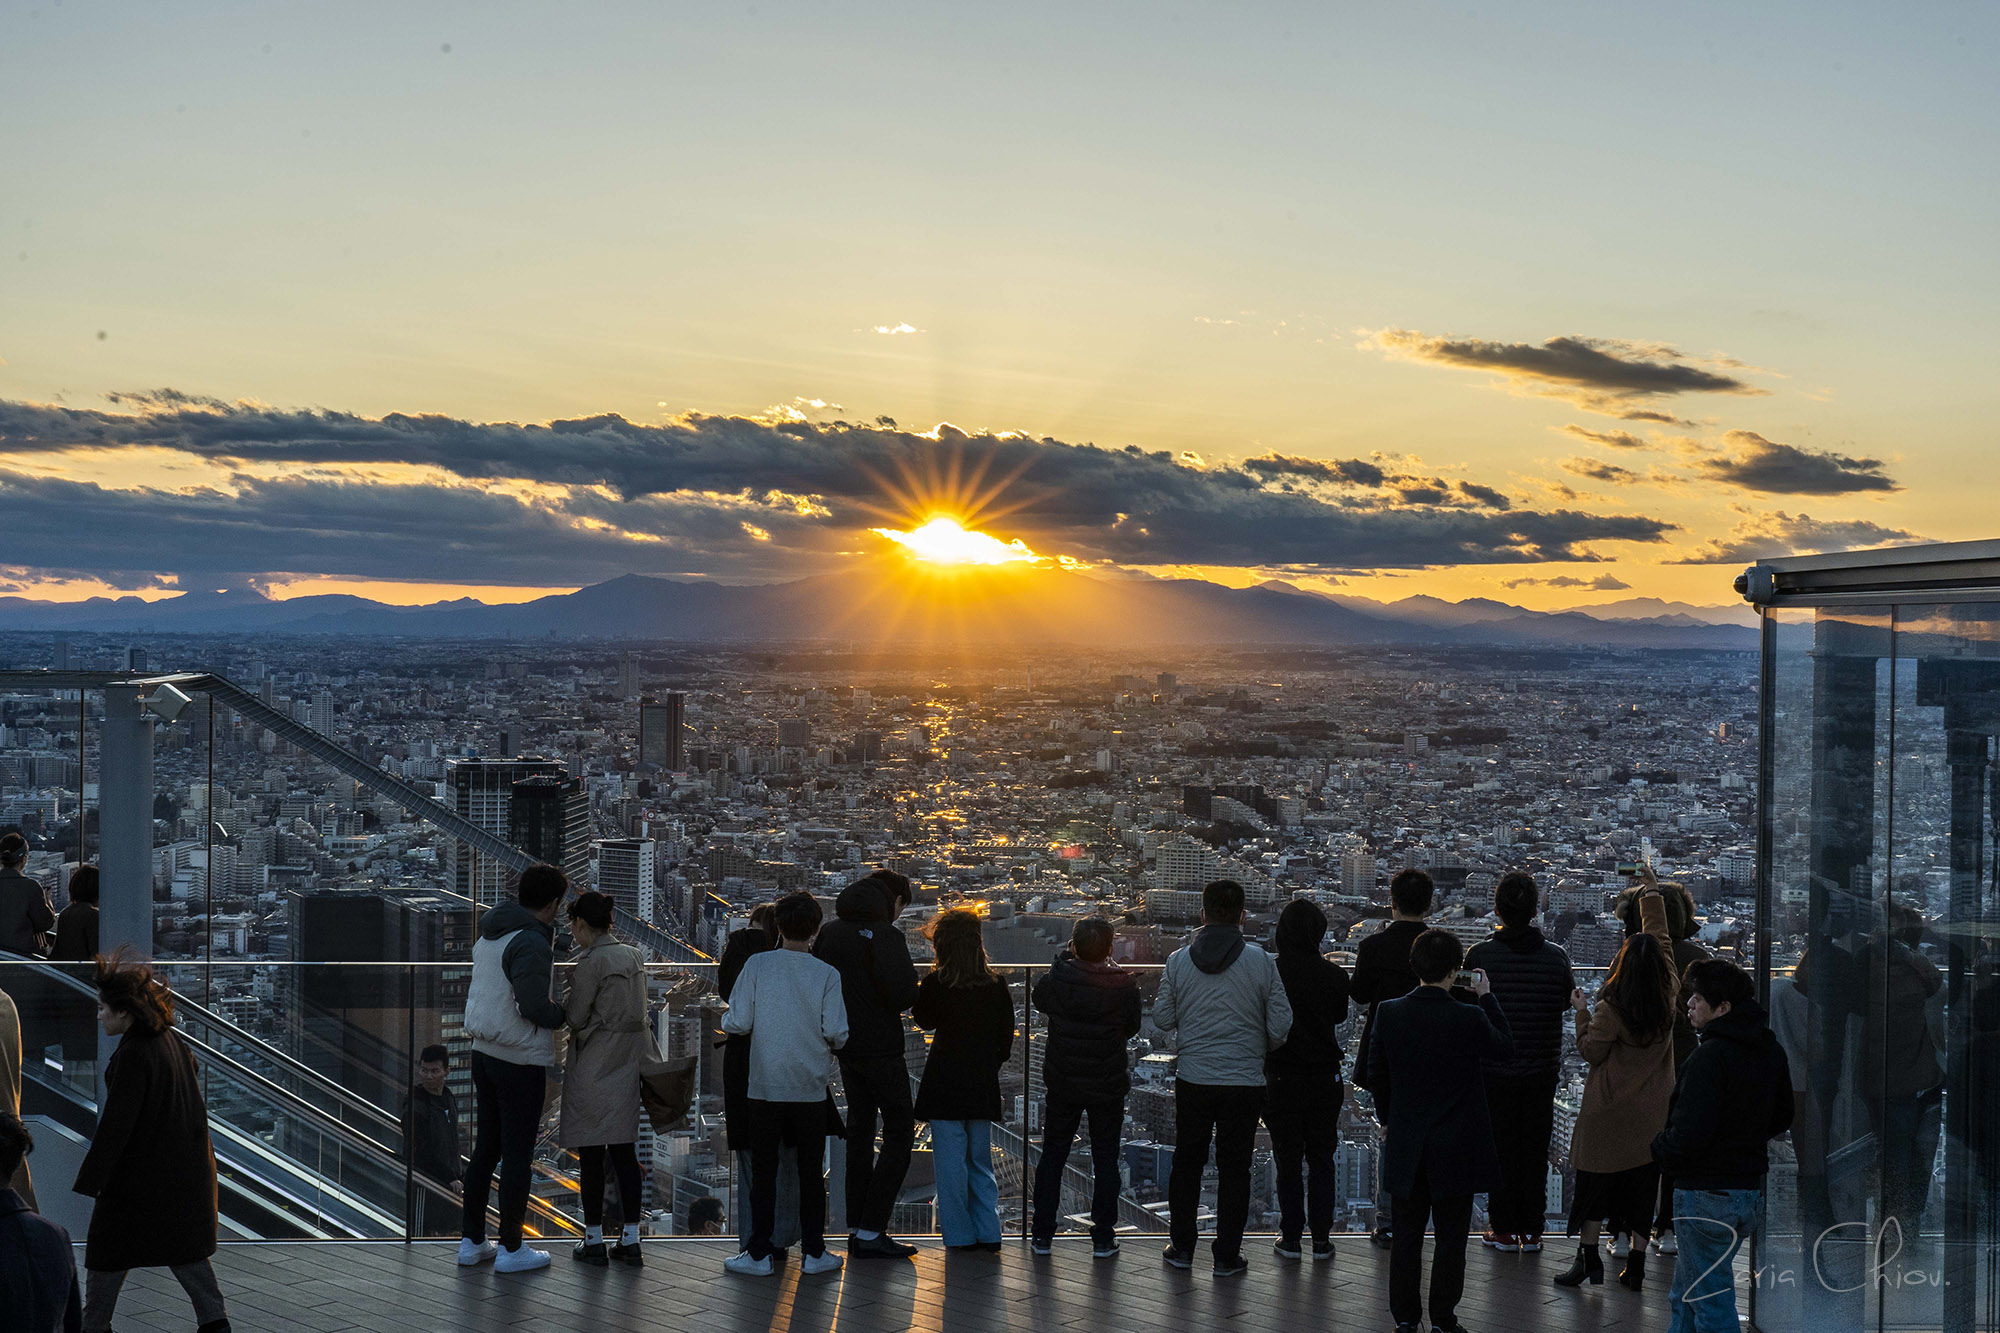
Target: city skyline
{"type": "Point", "coordinates": [1363, 301]}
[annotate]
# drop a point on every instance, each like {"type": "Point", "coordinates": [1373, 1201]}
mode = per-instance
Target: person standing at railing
{"type": "Point", "coordinates": [75, 938]}
{"type": "Point", "coordinates": [1532, 981]}
{"type": "Point", "coordinates": [606, 1008]}
{"type": "Point", "coordinates": [431, 1141]}
{"type": "Point", "coordinates": [1223, 1000]}
{"type": "Point", "coordinates": [1437, 1139]}
{"type": "Point", "coordinates": [760, 936]}
{"type": "Point", "coordinates": [1382, 973]}
{"type": "Point", "coordinates": [511, 1016]}
{"type": "Point", "coordinates": [878, 984]}
{"type": "Point", "coordinates": [966, 1004]}
{"type": "Point", "coordinates": [1302, 1110]}
{"type": "Point", "coordinates": [1629, 1044]}
{"type": "Point", "coordinates": [1094, 1009]}
{"type": "Point", "coordinates": [25, 915]}
{"type": "Point", "coordinates": [151, 1166]}
{"type": "Point", "coordinates": [792, 1002]}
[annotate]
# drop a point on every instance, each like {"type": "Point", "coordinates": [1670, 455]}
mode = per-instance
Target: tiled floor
{"type": "Point", "coordinates": [331, 1287]}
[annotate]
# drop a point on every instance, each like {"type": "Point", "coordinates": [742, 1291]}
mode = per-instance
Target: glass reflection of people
{"type": "Point", "coordinates": [705, 1216]}
{"type": "Point", "coordinates": [431, 1138]}
{"type": "Point", "coordinates": [75, 944]}
{"type": "Point", "coordinates": [1902, 1050]}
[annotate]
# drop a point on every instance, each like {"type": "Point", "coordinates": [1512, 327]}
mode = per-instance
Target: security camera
{"type": "Point", "coordinates": [166, 702]}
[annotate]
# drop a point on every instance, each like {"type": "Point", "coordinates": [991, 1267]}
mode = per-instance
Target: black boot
{"type": "Point", "coordinates": [1589, 1267]}
{"type": "Point", "coordinates": [1633, 1275]}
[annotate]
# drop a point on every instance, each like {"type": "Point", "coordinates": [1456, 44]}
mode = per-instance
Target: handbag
{"type": "Point", "coordinates": [666, 1087]}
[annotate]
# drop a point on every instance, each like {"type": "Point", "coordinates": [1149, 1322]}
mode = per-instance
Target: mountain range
{"type": "Point", "coordinates": [1004, 605]}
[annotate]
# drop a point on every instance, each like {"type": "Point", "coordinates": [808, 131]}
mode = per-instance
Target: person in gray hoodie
{"type": "Point", "coordinates": [511, 1016]}
{"type": "Point", "coordinates": [1223, 999]}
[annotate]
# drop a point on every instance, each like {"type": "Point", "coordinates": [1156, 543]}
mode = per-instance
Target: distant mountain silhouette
{"type": "Point", "coordinates": [1003, 605]}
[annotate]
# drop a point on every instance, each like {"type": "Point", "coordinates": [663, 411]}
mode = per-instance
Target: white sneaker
{"type": "Point", "coordinates": [1667, 1244]}
{"type": "Point", "coordinates": [1621, 1245]}
{"type": "Point", "coordinates": [826, 1261]}
{"type": "Point", "coordinates": [525, 1259]}
{"type": "Point", "coordinates": [472, 1253]}
{"type": "Point", "coordinates": [743, 1265]}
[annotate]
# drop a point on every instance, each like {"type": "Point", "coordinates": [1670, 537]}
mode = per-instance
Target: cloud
{"type": "Point", "coordinates": [1759, 536]}
{"type": "Point", "coordinates": [1339, 472]}
{"type": "Point", "coordinates": [894, 330]}
{"type": "Point", "coordinates": [1410, 488]}
{"type": "Point", "coordinates": [1608, 375]}
{"type": "Point", "coordinates": [574, 501]}
{"type": "Point", "coordinates": [1617, 439]}
{"type": "Point", "coordinates": [1602, 583]}
{"type": "Point", "coordinates": [1598, 470]}
{"type": "Point", "coordinates": [1647, 414]}
{"type": "Point", "coordinates": [1757, 464]}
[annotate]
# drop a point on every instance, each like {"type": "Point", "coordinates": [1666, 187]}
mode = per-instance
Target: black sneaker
{"type": "Point", "coordinates": [1104, 1250]}
{"type": "Point", "coordinates": [595, 1255]}
{"type": "Point", "coordinates": [1235, 1267]}
{"type": "Point", "coordinates": [1381, 1239]}
{"type": "Point", "coordinates": [1177, 1258]}
{"type": "Point", "coordinates": [629, 1254]}
{"type": "Point", "coordinates": [884, 1246]}
{"type": "Point", "coordinates": [1287, 1249]}
{"type": "Point", "coordinates": [1322, 1251]}
{"type": "Point", "coordinates": [1043, 1246]}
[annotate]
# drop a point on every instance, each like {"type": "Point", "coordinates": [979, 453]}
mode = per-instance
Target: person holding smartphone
{"type": "Point", "coordinates": [1437, 1141]}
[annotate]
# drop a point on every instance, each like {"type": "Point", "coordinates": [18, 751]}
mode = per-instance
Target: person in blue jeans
{"type": "Point", "coordinates": [1733, 1096]}
{"type": "Point", "coordinates": [970, 1013]}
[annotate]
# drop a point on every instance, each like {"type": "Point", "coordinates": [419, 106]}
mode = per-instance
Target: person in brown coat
{"type": "Point", "coordinates": [1629, 1044]}
{"type": "Point", "coordinates": [151, 1166]}
{"type": "Point", "coordinates": [606, 1011]}
{"type": "Point", "coordinates": [22, 1183]}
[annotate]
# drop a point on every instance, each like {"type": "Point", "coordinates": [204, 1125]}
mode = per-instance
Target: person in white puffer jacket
{"type": "Point", "coordinates": [511, 1016]}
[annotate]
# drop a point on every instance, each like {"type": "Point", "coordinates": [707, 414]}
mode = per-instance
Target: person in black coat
{"type": "Point", "coordinates": [151, 1166]}
{"type": "Point", "coordinates": [1437, 1142]}
{"type": "Point", "coordinates": [1302, 1105]}
{"type": "Point", "coordinates": [967, 1005]}
{"type": "Point", "coordinates": [1382, 972]}
{"type": "Point", "coordinates": [1532, 981]}
{"type": "Point", "coordinates": [25, 915]}
{"type": "Point", "coordinates": [1094, 1009]}
{"type": "Point", "coordinates": [1732, 1097]}
{"type": "Point", "coordinates": [38, 1288]}
{"type": "Point", "coordinates": [432, 1142]}
{"type": "Point", "coordinates": [878, 984]}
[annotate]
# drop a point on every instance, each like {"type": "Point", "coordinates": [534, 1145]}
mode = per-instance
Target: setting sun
{"type": "Point", "coordinates": [943, 541]}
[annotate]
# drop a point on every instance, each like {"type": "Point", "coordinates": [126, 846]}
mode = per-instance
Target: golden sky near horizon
{"type": "Point", "coordinates": [1377, 306]}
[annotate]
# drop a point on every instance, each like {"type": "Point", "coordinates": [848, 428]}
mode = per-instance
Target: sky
{"type": "Point", "coordinates": [1560, 304]}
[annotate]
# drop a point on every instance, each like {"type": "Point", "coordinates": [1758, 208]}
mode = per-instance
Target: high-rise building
{"type": "Point", "coordinates": [1185, 863]}
{"type": "Point", "coordinates": [62, 655]}
{"type": "Point", "coordinates": [548, 817]}
{"type": "Point", "coordinates": [135, 659]}
{"type": "Point", "coordinates": [662, 732]}
{"type": "Point", "coordinates": [320, 715]}
{"type": "Point", "coordinates": [794, 733]}
{"type": "Point", "coordinates": [628, 676]}
{"type": "Point", "coordinates": [625, 871]}
{"type": "Point", "coordinates": [482, 790]}
{"type": "Point", "coordinates": [1357, 872]}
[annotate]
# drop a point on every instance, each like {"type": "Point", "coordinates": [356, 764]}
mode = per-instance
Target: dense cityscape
{"type": "Point", "coordinates": [1039, 786]}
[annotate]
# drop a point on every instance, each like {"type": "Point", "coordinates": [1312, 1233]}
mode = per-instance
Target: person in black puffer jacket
{"type": "Point", "coordinates": [1302, 1106]}
{"type": "Point", "coordinates": [1094, 1010]}
{"type": "Point", "coordinates": [878, 984]}
{"type": "Point", "coordinates": [1532, 981]}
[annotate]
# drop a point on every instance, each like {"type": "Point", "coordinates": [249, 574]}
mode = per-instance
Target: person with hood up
{"type": "Point", "coordinates": [878, 984]}
{"type": "Point", "coordinates": [608, 1042]}
{"type": "Point", "coordinates": [1302, 1108]}
{"type": "Point", "coordinates": [1733, 1096]}
{"type": "Point", "coordinates": [1224, 1001]}
{"type": "Point", "coordinates": [1094, 1009]}
{"type": "Point", "coordinates": [1532, 981]}
{"type": "Point", "coordinates": [511, 1017]}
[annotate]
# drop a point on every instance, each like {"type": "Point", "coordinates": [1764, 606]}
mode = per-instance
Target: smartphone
{"type": "Point", "coordinates": [1629, 869]}
{"type": "Point", "coordinates": [1465, 978]}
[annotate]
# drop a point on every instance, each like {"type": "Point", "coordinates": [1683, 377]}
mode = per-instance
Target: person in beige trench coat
{"type": "Point", "coordinates": [608, 1042]}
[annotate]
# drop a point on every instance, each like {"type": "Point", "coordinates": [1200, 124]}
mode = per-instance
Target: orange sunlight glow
{"type": "Point", "coordinates": [944, 541]}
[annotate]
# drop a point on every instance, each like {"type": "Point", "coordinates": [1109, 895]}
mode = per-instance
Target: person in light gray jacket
{"type": "Point", "coordinates": [1224, 999]}
{"type": "Point", "coordinates": [511, 1016]}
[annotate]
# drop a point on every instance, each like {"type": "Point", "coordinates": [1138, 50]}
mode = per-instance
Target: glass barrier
{"type": "Point", "coordinates": [311, 1071]}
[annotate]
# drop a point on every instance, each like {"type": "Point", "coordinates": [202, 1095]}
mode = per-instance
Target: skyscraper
{"type": "Point", "coordinates": [662, 728]}
{"type": "Point", "coordinates": [482, 791]}
{"type": "Point", "coordinates": [625, 872]}
{"type": "Point", "coordinates": [628, 676]}
{"type": "Point", "coordinates": [548, 817]}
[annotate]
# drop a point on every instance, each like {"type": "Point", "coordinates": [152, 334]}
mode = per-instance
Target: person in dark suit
{"type": "Point", "coordinates": [1382, 972]}
{"type": "Point", "coordinates": [1437, 1141]}
{"type": "Point", "coordinates": [37, 1266]}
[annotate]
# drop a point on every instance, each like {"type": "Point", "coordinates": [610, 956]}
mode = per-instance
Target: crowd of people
{"type": "Point", "coordinates": [1461, 1052]}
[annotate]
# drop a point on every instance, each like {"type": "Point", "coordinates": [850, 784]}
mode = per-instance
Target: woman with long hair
{"type": "Point", "coordinates": [1629, 1044]}
{"type": "Point", "coordinates": [970, 1012]}
{"type": "Point", "coordinates": [151, 1167]}
{"type": "Point", "coordinates": [606, 1011]}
